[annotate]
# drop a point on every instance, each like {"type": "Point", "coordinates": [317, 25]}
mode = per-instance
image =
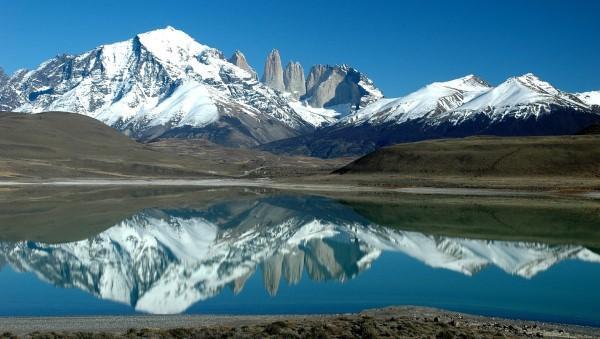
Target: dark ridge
{"type": "Point", "coordinates": [593, 129]}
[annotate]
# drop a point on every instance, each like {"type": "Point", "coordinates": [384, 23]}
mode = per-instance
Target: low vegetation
{"type": "Point", "coordinates": [405, 322]}
{"type": "Point", "coordinates": [65, 145]}
{"type": "Point", "coordinates": [560, 156]}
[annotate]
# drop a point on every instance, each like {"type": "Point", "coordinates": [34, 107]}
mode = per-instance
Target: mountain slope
{"type": "Point", "coordinates": [463, 107]}
{"type": "Point", "coordinates": [591, 98]}
{"type": "Point", "coordinates": [160, 83]}
{"type": "Point", "coordinates": [518, 97]}
{"type": "Point", "coordinates": [437, 97]}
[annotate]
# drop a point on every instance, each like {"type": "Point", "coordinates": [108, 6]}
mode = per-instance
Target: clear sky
{"type": "Point", "coordinates": [401, 45]}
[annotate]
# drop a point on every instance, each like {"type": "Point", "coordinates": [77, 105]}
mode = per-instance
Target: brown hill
{"type": "Point", "coordinates": [66, 145]}
{"type": "Point", "coordinates": [57, 144]}
{"type": "Point", "coordinates": [572, 156]}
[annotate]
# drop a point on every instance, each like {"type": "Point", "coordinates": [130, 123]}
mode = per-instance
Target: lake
{"type": "Point", "coordinates": [100, 251]}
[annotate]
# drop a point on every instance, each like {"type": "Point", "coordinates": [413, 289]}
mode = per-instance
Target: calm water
{"type": "Point", "coordinates": [249, 252]}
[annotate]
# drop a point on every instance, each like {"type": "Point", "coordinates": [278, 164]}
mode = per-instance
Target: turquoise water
{"type": "Point", "coordinates": [292, 254]}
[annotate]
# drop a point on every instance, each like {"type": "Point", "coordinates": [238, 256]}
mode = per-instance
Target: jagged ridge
{"type": "Point", "coordinates": [467, 106]}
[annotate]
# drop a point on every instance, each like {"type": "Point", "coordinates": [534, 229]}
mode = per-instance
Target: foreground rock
{"type": "Point", "coordinates": [406, 322]}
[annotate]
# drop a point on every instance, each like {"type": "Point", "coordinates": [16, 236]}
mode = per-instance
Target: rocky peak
{"type": "Point", "coordinates": [534, 83]}
{"type": "Point", "coordinates": [293, 79]}
{"type": "Point", "coordinates": [338, 85]}
{"type": "Point", "coordinates": [169, 45]}
{"type": "Point", "coordinates": [3, 76]}
{"type": "Point", "coordinates": [474, 79]}
{"type": "Point", "coordinates": [158, 84]}
{"type": "Point", "coordinates": [239, 59]}
{"type": "Point", "coordinates": [273, 76]}
{"type": "Point", "coordinates": [466, 83]}
{"type": "Point", "coordinates": [314, 76]}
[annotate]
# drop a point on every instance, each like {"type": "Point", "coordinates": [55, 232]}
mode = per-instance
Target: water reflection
{"type": "Point", "coordinates": [165, 260]}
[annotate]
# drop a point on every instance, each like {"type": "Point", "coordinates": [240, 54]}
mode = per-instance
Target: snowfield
{"type": "Point", "coordinates": [461, 99]}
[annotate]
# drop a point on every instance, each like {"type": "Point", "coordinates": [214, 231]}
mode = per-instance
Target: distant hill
{"type": "Point", "coordinates": [66, 145]}
{"type": "Point", "coordinates": [58, 144]}
{"type": "Point", "coordinates": [573, 156]}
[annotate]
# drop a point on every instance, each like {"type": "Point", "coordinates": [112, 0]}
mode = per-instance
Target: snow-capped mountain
{"type": "Point", "coordinates": [523, 105]}
{"type": "Point", "coordinates": [159, 83]}
{"type": "Point", "coordinates": [591, 98]}
{"type": "Point", "coordinates": [517, 98]}
{"type": "Point", "coordinates": [435, 98]}
{"type": "Point", "coordinates": [317, 116]}
{"type": "Point", "coordinates": [163, 261]}
{"type": "Point", "coordinates": [465, 98]}
{"type": "Point", "coordinates": [328, 93]}
{"type": "Point", "coordinates": [163, 83]}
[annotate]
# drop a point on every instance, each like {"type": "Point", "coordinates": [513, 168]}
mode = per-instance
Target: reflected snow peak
{"type": "Point", "coordinates": [164, 261]}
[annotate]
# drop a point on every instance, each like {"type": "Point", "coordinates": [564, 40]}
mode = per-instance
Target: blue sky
{"type": "Point", "coordinates": [401, 45]}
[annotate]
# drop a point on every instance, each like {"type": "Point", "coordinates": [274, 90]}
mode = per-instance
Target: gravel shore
{"type": "Point", "coordinates": [388, 322]}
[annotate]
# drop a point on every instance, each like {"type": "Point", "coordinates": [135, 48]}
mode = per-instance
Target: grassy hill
{"type": "Point", "coordinates": [57, 144]}
{"type": "Point", "coordinates": [66, 145]}
{"type": "Point", "coordinates": [555, 156]}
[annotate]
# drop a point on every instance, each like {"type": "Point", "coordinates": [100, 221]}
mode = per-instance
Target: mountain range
{"type": "Point", "coordinates": [164, 84]}
{"type": "Point", "coordinates": [165, 260]}
{"type": "Point", "coordinates": [520, 106]}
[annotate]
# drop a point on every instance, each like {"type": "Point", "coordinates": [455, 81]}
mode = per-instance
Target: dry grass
{"type": "Point", "coordinates": [65, 145]}
{"type": "Point", "coordinates": [482, 157]}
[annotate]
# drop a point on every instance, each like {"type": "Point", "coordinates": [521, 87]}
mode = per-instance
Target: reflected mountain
{"type": "Point", "coordinates": [165, 260]}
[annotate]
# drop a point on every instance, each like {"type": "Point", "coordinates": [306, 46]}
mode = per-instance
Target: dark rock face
{"type": "Point", "coordinates": [228, 131]}
{"type": "Point", "coordinates": [293, 78]}
{"type": "Point", "coordinates": [337, 141]}
{"type": "Point", "coordinates": [273, 76]}
{"type": "Point", "coordinates": [593, 129]}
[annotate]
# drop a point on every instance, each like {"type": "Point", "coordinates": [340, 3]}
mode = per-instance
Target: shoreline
{"type": "Point", "coordinates": [301, 186]}
{"type": "Point", "coordinates": [394, 321]}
